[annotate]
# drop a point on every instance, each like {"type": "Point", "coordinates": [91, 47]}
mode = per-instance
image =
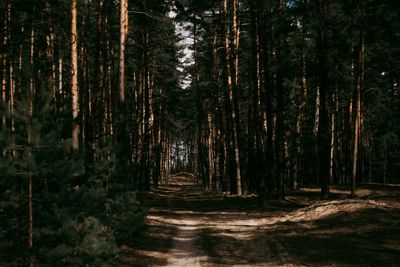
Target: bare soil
{"type": "Point", "coordinates": [189, 227]}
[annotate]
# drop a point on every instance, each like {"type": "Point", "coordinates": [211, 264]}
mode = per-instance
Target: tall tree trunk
{"type": "Point", "coordinates": [300, 117]}
{"type": "Point", "coordinates": [123, 36]}
{"type": "Point", "coordinates": [158, 148]}
{"type": "Point", "coordinates": [74, 77]}
{"type": "Point", "coordinates": [279, 146]}
{"type": "Point", "coordinates": [235, 138]}
{"type": "Point", "coordinates": [335, 131]}
{"type": "Point", "coordinates": [236, 34]}
{"type": "Point", "coordinates": [122, 130]}
{"type": "Point", "coordinates": [4, 63]}
{"type": "Point", "coordinates": [12, 106]}
{"type": "Point", "coordinates": [218, 117]}
{"type": "Point", "coordinates": [323, 133]}
{"type": "Point", "coordinates": [257, 115]}
{"type": "Point", "coordinates": [60, 78]}
{"type": "Point", "coordinates": [210, 150]}
{"type": "Point", "coordinates": [333, 142]}
{"type": "Point", "coordinates": [201, 155]}
{"type": "Point", "coordinates": [29, 139]}
{"type": "Point", "coordinates": [253, 119]}
{"type": "Point", "coordinates": [11, 86]}
{"type": "Point", "coordinates": [267, 46]}
{"type": "Point", "coordinates": [357, 111]}
{"type": "Point", "coordinates": [147, 116]}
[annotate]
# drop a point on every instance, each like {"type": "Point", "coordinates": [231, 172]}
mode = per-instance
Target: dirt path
{"type": "Point", "coordinates": [187, 227]}
{"type": "Point", "coordinates": [184, 251]}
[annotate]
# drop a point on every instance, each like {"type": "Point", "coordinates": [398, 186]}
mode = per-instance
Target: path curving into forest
{"type": "Point", "coordinates": [189, 227]}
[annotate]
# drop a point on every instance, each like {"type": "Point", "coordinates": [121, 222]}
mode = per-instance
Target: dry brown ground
{"type": "Point", "coordinates": [189, 227]}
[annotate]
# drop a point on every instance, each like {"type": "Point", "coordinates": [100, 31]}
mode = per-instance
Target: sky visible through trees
{"type": "Point", "coordinates": [111, 111]}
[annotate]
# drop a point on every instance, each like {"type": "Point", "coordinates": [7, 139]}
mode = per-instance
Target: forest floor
{"type": "Point", "coordinates": [189, 227]}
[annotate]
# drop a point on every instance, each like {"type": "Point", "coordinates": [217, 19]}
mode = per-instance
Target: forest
{"type": "Point", "coordinates": [199, 133]}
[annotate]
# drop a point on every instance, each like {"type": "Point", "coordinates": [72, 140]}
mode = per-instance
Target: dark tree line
{"type": "Point", "coordinates": [288, 93]}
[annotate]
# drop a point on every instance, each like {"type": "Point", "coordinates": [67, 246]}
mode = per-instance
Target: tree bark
{"type": "Point", "coordinates": [29, 139]}
{"type": "Point", "coordinates": [122, 41]}
{"type": "Point", "coordinates": [74, 77]}
{"type": "Point", "coordinates": [4, 63]}
{"type": "Point", "coordinates": [323, 133]}
{"type": "Point", "coordinates": [237, 183]}
{"type": "Point", "coordinates": [279, 143]}
{"type": "Point", "coordinates": [201, 155]}
{"type": "Point", "coordinates": [357, 111]}
{"type": "Point", "coordinates": [267, 48]}
{"type": "Point", "coordinates": [300, 118]}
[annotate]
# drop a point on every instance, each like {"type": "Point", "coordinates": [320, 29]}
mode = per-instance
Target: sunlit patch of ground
{"type": "Point", "coordinates": [190, 228]}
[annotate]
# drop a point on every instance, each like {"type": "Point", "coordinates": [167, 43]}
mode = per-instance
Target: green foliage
{"type": "Point", "coordinates": [76, 221]}
{"type": "Point", "coordinates": [85, 241]}
{"type": "Point", "coordinates": [127, 216]}
{"type": "Point", "coordinates": [104, 165]}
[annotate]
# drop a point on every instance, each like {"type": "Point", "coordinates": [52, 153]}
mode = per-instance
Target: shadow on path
{"type": "Point", "coordinates": [189, 227]}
